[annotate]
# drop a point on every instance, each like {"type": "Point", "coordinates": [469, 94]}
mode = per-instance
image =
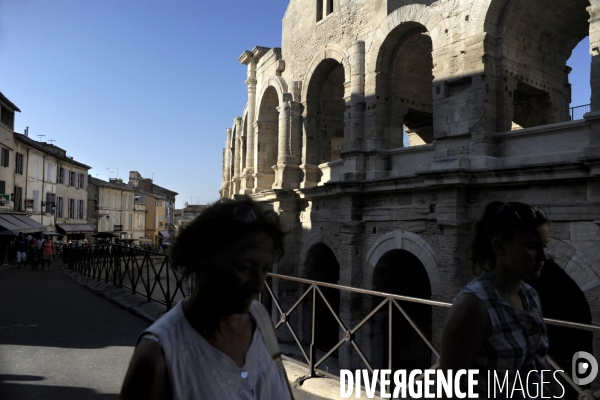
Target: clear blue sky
{"type": "Point", "coordinates": [146, 85]}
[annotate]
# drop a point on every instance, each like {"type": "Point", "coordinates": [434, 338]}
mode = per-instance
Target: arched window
{"type": "Point", "coordinates": [579, 79]}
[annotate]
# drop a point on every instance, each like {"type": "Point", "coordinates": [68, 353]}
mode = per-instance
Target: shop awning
{"type": "Point", "coordinates": [20, 223]}
{"type": "Point", "coordinates": [164, 234]}
{"type": "Point", "coordinates": [75, 229]}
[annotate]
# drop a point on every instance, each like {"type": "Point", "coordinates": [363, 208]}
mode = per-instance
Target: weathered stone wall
{"type": "Point", "coordinates": [324, 125]}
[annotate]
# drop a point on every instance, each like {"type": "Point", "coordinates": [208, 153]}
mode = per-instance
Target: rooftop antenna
{"type": "Point", "coordinates": [153, 176]}
{"type": "Point", "coordinates": [110, 171]}
{"type": "Point", "coordinates": [41, 136]}
{"type": "Point", "coordinates": [52, 141]}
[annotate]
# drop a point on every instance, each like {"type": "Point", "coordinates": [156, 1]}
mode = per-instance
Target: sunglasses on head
{"type": "Point", "coordinates": [247, 215]}
{"type": "Point", "coordinates": [522, 212]}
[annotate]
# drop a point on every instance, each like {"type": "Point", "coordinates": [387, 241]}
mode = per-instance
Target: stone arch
{"type": "Point", "coordinates": [400, 68]}
{"type": "Point", "coordinates": [267, 133]}
{"type": "Point", "coordinates": [245, 118]}
{"type": "Point", "coordinates": [328, 51]}
{"type": "Point", "coordinates": [235, 157]}
{"type": "Point", "coordinates": [573, 299]}
{"type": "Point", "coordinates": [408, 241]}
{"type": "Point", "coordinates": [317, 238]}
{"type": "Point", "coordinates": [325, 96]}
{"type": "Point", "coordinates": [432, 20]}
{"type": "Point", "coordinates": [577, 265]}
{"type": "Point", "coordinates": [243, 145]}
{"type": "Point", "coordinates": [537, 92]}
{"type": "Point", "coordinates": [485, 16]}
{"type": "Point", "coordinates": [402, 263]}
{"type": "Point", "coordinates": [280, 86]}
{"type": "Point", "coordinates": [320, 262]}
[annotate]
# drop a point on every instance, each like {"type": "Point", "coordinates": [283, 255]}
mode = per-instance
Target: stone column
{"type": "Point", "coordinates": [250, 59]}
{"type": "Point", "coordinates": [225, 185]}
{"type": "Point", "coordinates": [353, 155]}
{"type": "Point", "coordinates": [357, 98]}
{"type": "Point", "coordinates": [236, 164]}
{"type": "Point", "coordinates": [240, 135]}
{"type": "Point", "coordinates": [352, 239]}
{"type": "Point", "coordinates": [286, 291]}
{"type": "Point", "coordinates": [287, 174]}
{"type": "Point", "coordinates": [283, 139]}
{"type": "Point", "coordinates": [296, 110]}
{"type": "Point", "coordinates": [310, 147]}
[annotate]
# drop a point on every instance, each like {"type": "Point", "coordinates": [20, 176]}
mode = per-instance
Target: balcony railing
{"type": "Point", "coordinates": [579, 111]}
{"type": "Point", "coordinates": [149, 274]}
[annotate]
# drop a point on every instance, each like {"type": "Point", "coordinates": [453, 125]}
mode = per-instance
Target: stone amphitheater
{"type": "Point", "coordinates": [381, 128]}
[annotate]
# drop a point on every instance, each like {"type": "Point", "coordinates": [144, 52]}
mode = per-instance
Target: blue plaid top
{"type": "Point", "coordinates": [518, 340]}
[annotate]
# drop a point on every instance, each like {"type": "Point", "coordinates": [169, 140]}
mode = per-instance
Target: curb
{"type": "Point", "coordinates": [123, 298]}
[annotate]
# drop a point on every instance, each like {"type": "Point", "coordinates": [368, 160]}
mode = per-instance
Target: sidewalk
{"type": "Point", "coordinates": [59, 342]}
{"type": "Point", "coordinates": [303, 386]}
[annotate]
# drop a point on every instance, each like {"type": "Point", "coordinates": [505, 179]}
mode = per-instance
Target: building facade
{"type": "Point", "coordinates": [186, 215]}
{"type": "Point", "coordinates": [480, 94]}
{"type": "Point", "coordinates": [35, 180]}
{"type": "Point", "coordinates": [111, 207]}
{"type": "Point", "coordinates": [139, 221]}
{"type": "Point", "coordinates": [50, 186]}
{"type": "Point", "coordinates": [8, 172]}
{"type": "Point", "coordinates": [160, 208]}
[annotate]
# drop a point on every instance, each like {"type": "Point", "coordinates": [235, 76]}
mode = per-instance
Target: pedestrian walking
{"type": "Point", "coordinates": [496, 322]}
{"type": "Point", "coordinates": [33, 254]}
{"type": "Point", "coordinates": [219, 343]}
{"type": "Point", "coordinates": [47, 252]}
{"type": "Point", "coordinates": [21, 249]}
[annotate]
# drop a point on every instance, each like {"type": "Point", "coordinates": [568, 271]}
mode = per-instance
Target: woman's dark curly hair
{"type": "Point", "coordinates": [500, 220]}
{"type": "Point", "coordinates": [219, 226]}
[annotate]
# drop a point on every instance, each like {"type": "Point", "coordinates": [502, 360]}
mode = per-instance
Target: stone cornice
{"type": "Point", "coordinates": [246, 58]}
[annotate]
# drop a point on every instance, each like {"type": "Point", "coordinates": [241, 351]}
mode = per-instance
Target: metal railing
{"type": "Point", "coordinates": [579, 111]}
{"type": "Point", "coordinates": [149, 274]}
{"type": "Point", "coordinates": [392, 301]}
{"type": "Point", "coordinates": [144, 272]}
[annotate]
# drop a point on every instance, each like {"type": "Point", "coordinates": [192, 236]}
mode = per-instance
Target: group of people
{"type": "Point", "coordinates": [37, 251]}
{"type": "Point", "coordinates": [216, 343]}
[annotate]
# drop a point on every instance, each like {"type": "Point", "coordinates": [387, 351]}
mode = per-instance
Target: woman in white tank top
{"type": "Point", "coordinates": [209, 346]}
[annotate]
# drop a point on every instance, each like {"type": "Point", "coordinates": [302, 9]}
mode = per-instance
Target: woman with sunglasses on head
{"type": "Point", "coordinates": [495, 323]}
{"type": "Point", "coordinates": [216, 344]}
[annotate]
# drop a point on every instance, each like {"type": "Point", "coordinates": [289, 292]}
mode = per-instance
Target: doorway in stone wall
{"type": "Point", "coordinates": [401, 272]}
{"type": "Point", "coordinates": [322, 265]}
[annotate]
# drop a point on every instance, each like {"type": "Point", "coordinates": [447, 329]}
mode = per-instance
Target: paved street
{"type": "Point", "coordinates": [60, 341]}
